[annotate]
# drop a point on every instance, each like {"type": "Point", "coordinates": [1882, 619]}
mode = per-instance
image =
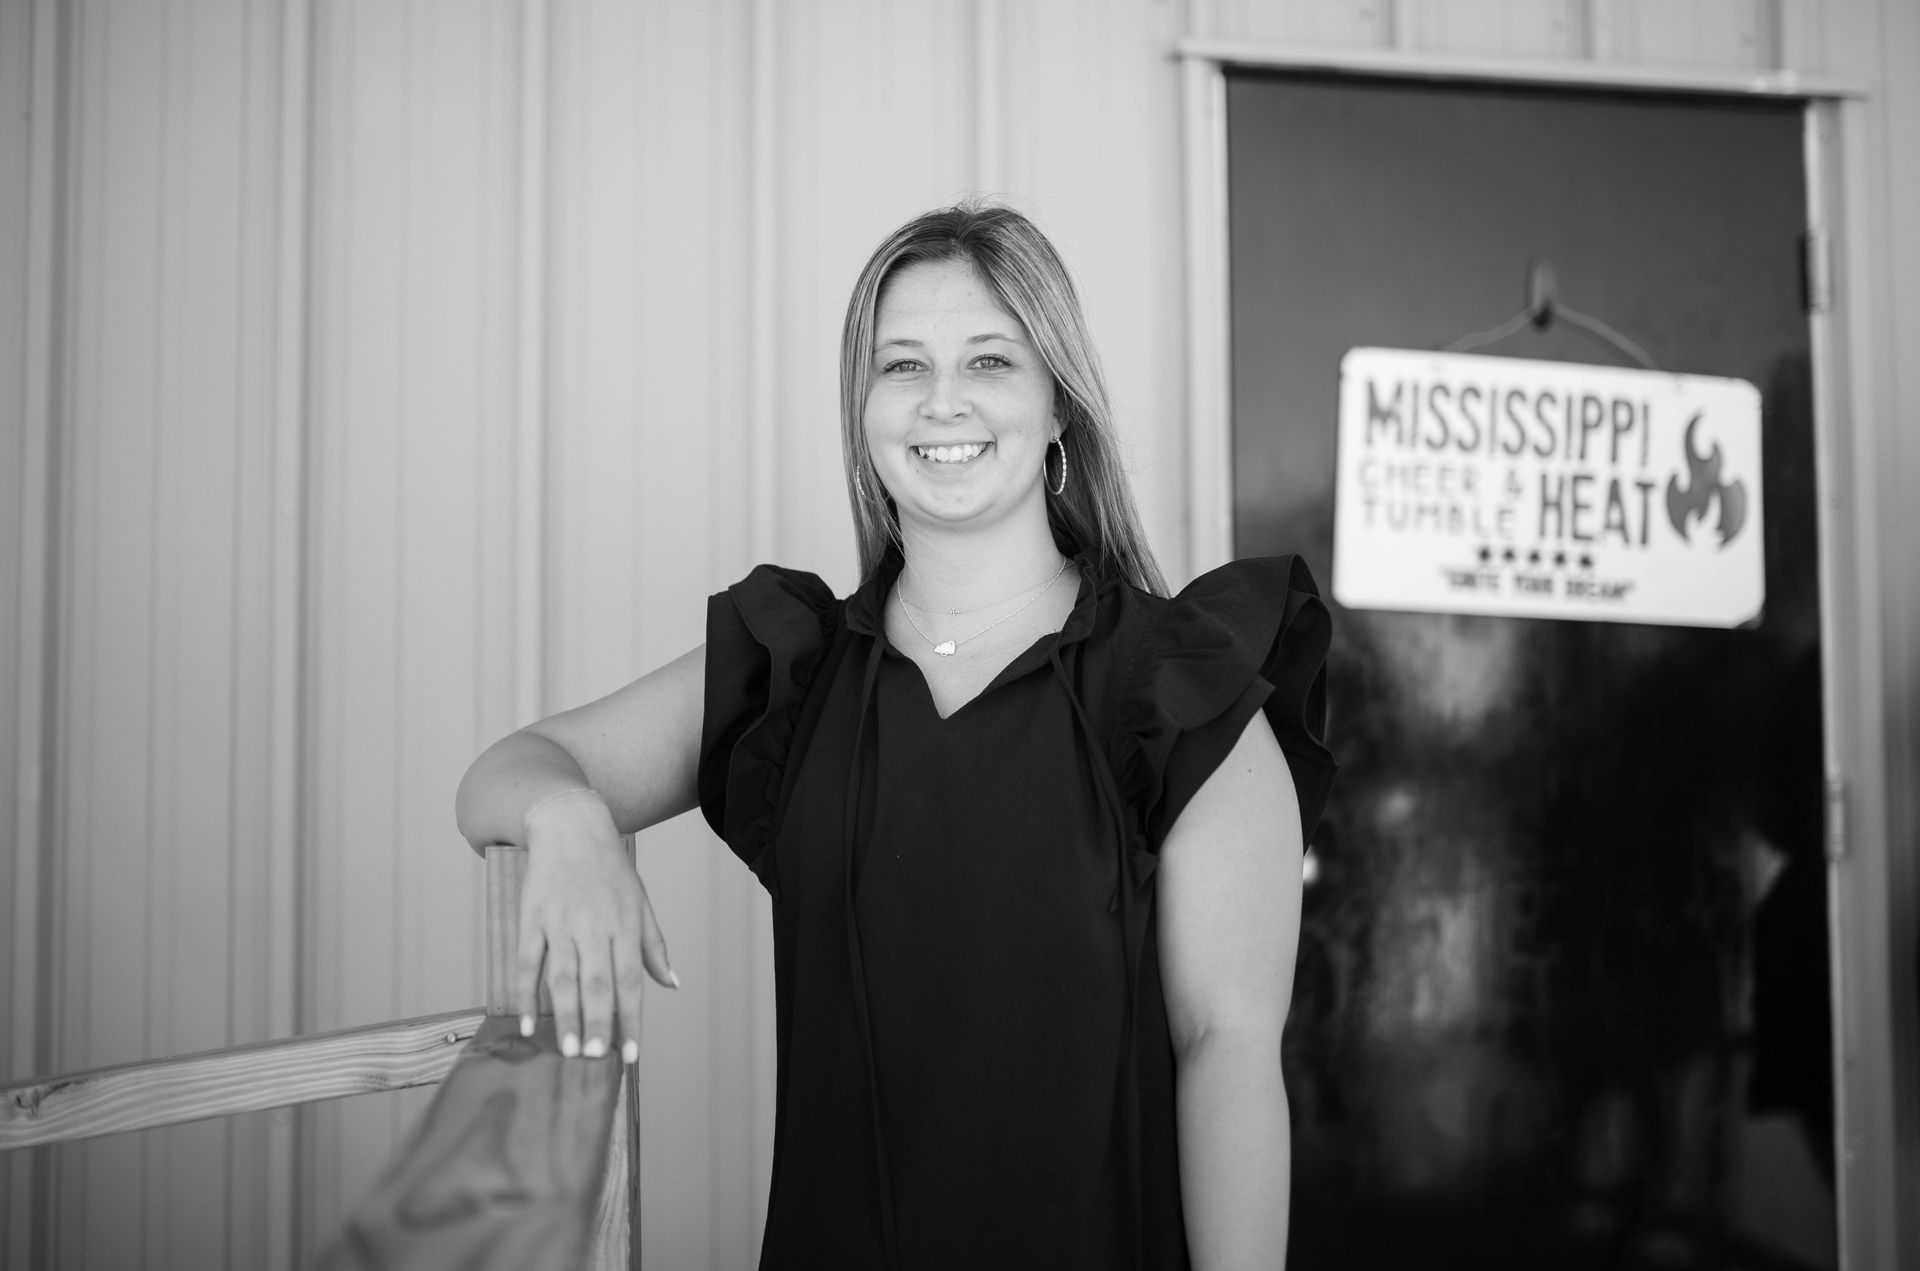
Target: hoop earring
{"type": "Point", "coordinates": [1057, 490]}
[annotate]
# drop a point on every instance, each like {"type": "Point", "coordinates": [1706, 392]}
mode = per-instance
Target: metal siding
{"type": "Point", "coordinates": [153, 626]}
{"type": "Point", "coordinates": [413, 257]}
{"type": "Point", "coordinates": [1696, 33]}
{"type": "Point", "coordinates": [1878, 272]}
{"type": "Point", "coordinates": [1358, 23]}
{"type": "Point", "coordinates": [1522, 28]}
{"type": "Point", "coordinates": [25, 239]}
{"type": "Point", "coordinates": [649, 339]}
{"type": "Point", "coordinates": [1092, 149]}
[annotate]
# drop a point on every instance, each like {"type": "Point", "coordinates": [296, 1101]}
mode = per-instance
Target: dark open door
{"type": "Point", "coordinates": [1562, 995]}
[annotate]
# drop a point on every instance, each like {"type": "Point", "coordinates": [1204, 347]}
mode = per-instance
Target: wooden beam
{"type": "Point", "coordinates": [215, 1083]}
{"type": "Point", "coordinates": [616, 1220]}
{"type": "Point", "coordinates": [507, 1169]}
{"type": "Point", "coordinates": [506, 873]}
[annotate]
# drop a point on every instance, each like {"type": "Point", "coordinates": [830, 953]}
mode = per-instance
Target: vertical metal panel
{"type": "Point", "coordinates": [1865, 893]}
{"type": "Point", "coordinates": [653, 480]}
{"type": "Point", "coordinates": [413, 400]}
{"type": "Point", "coordinates": [1800, 34]}
{"type": "Point", "coordinates": [1874, 185]}
{"type": "Point", "coordinates": [1208, 428]}
{"type": "Point", "coordinates": [1351, 22]}
{"type": "Point", "coordinates": [16, 155]}
{"type": "Point", "coordinates": [1693, 33]}
{"type": "Point", "coordinates": [530, 364]}
{"type": "Point", "coordinates": [32, 252]}
{"type": "Point", "coordinates": [1094, 140]}
{"type": "Point", "coordinates": [156, 628]}
{"type": "Point", "coordinates": [758, 459]}
{"type": "Point", "coordinates": [1871, 170]}
{"type": "Point", "coordinates": [275, 711]}
{"type": "Point", "coordinates": [1520, 28]}
{"type": "Point", "coordinates": [1839, 584]}
{"type": "Point", "coordinates": [875, 126]}
{"type": "Point", "coordinates": [989, 117]}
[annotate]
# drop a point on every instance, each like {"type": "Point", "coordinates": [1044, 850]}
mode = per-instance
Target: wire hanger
{"type": "Point", "coordinates": [1542, 306]}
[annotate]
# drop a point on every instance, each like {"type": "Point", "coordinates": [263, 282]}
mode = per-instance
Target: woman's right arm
{"type": "Point", "coordinates": [566, 788]}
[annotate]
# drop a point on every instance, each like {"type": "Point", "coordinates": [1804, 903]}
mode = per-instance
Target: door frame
{"type": "Point", "coordinates": [1874, 1055]}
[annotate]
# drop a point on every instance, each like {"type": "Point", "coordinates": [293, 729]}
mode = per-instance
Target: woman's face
{"type": "Point", "coordinates": [960, 409]}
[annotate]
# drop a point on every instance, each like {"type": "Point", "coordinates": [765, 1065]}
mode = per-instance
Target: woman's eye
{"type": "Point", "coordinates": [899, 364]}
{"type": "Point", "coordinates": [991, 361]}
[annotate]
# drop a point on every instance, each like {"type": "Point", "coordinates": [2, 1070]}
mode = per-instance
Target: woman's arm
{"type": "Point", "coordinates": [567, 788]}
{"type": "Point", "coordinates": [637, 748]}
{"type": "Point", "coordinates": [1229, 924]}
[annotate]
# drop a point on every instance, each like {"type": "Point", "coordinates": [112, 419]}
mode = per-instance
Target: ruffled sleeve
{"type": "Point", "coordinates": [767, 636]}
{"type": "Point", "coordinates": [1248, 636]}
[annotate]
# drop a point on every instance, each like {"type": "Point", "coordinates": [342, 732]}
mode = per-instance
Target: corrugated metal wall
{"type": "Point", "coordinates": [375, 375]}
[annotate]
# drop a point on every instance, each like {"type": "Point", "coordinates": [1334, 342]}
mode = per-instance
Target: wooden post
{"type": "Point", "coordinates": [506, 874]}
{"type": "Point", "coordinates": [616, 1224]}
{"type": "Point", "coordinates": [507, 1169]}
{"type": "Point", "coordinates": [616, 1221]}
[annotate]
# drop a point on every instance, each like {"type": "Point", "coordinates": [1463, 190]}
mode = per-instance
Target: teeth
{"type": "Point", "coordinates": [950, 454]}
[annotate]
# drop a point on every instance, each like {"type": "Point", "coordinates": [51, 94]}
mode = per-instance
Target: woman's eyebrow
{"type": "Point", "coordinates": [904, 342]}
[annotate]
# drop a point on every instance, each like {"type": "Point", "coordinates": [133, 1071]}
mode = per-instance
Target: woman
{"type": "Point", "coordinates": [1032, 831]}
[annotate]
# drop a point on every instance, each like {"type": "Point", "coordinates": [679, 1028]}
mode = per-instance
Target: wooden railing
{"type": "Point", "coordinates": [524, 1160]}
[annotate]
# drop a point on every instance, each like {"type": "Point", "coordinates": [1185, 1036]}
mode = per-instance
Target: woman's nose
{"type": "Point", "coordinates": [945, 397]}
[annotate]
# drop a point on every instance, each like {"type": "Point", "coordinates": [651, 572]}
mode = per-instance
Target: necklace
{"type": "Point", "coordinates": [901, 592]}
{"type": "Point", "coordinates": [947, 648]}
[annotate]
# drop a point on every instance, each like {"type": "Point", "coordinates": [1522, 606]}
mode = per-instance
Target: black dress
{"type": "Point", "coordinates": [974, 1061]}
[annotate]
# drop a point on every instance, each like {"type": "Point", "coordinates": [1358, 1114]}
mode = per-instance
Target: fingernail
{"type": "Point", "coordinates": [569, 1045]}
{"type": "Point", "coordinates": [526, 1025]}
{"type": "Point", "coordinates": [595, 1048]}
{"type": "Point", "coordinates": [673, 977]}
{"type": "Point", "coordinates": [630, 1053]}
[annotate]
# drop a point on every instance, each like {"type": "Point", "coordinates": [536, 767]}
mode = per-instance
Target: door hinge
{"type": "Point", "coordinates": [1836, 818]}
{"type": "Point", "coordinates": [1816, 270]}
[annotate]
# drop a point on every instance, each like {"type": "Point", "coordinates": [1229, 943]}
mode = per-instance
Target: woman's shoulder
{"type": "Point", "coordinates": [768, 583]}
{"type": "Point", "coordinates": [1249, 597]}
{"type": "Point", "coordinates": [1251, 635]}
{"type": "Point", "coordinates": [778, 608]}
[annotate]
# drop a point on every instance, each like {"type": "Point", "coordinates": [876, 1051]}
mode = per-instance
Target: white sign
{"type": "Point", "coordinates": [1494, 485]}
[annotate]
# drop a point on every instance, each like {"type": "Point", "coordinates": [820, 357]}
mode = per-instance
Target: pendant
{"type": "Point", "coordinates": [944, 648]}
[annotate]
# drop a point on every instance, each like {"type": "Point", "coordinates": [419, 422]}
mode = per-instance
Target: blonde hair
{"type": "Point", "coordinates": [1017, 264]}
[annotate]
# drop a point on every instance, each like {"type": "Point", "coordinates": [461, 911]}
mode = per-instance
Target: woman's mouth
{"type": "Point", "coordinates": [962, 453]}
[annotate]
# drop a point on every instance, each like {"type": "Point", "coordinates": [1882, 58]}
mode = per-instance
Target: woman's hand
{"type": "Point", "coordinates": [584, 913]}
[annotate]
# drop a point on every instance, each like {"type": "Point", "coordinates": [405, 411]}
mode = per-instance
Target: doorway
{"type": "Point", "coordinates": [1562, 997]}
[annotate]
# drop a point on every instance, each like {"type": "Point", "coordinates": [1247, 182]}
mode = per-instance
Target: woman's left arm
{"type": "Point", "coordinates": [1229, 924]}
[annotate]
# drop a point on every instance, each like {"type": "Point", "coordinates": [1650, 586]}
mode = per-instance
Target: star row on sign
{"type": "Point", "coordinates": [1535, 557]}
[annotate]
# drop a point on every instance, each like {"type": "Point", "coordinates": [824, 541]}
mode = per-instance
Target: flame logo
{"type": "Point", "coordinates": [1703, 487]}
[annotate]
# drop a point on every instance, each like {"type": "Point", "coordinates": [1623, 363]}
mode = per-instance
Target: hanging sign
{"type": "Point", "coordinates": [1491, 485]}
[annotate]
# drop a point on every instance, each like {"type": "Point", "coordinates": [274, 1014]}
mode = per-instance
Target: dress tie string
{"type": "Point", "coordinates": [856, 964]}
{"type": "Point", "coordinates": [1131, 944]}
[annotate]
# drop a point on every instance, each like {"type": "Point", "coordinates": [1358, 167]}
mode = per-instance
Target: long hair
{"type": "Point", "coordinates": [1019, 266]}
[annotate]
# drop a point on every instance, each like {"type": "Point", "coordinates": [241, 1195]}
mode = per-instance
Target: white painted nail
{"type": "Point", "coordinates": [595, 1048]}
{"type": "Point", "coordinates": [630, 1052]}
{"type": "Point", "coordinates": [673, 977]}
{"type": "Point", "coordinates": [569, 1045]}
{"type": "Point", "coordinates": [526, 1025]}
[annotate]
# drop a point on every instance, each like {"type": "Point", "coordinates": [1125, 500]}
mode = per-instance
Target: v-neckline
{"type": "Point", "coordinates": [1013, 670]}
{"type": "Point", "coordinates": [866, 611]}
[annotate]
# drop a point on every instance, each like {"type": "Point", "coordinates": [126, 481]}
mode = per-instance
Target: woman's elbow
{"type": "Point", "coordinates": [1245, 1037]}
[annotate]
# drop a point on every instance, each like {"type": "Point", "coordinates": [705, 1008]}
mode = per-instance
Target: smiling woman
{"type": "Point", "coordinates": [1031, 829]}
{"type": "Point", "coordinates": [960, 406]}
